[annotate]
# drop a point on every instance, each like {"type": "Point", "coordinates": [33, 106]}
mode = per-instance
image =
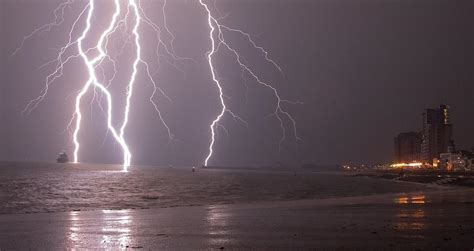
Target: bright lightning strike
{"type": "Point", "coordinates": [119, 24]}
{"type": "Point", "coordinates": [91, 64]}
{"type": "Point", "coordinates": [218, 40]}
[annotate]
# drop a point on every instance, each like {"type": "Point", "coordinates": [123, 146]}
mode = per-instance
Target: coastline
{"type": "Point", "coordinates": [35, 188]}
{"type": "Point", "coordinates": [174, 208]}
{"type": "Point", "coordinates": [439, 219]}
{"type": "Point", "coordinates": [434, 178]}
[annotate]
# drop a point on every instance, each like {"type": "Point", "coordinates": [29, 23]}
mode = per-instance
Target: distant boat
{"type": "Point", "coordinates": [63, 158]}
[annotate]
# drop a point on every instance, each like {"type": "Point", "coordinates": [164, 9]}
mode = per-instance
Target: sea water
{"type": "Point", "coordinates": [50, 187]}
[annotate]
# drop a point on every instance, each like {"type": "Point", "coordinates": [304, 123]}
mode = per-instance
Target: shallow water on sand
{"type": "Point", "coordinates": [46, 187]}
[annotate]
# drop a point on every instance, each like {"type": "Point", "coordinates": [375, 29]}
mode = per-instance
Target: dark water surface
{"type": "Point", "coordinates": [46, 187]}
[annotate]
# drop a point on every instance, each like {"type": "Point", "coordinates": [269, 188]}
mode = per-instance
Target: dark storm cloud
{"type": "Point", "coordinates": [365, 70]}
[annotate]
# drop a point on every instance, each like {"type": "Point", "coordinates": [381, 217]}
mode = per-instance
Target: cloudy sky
{"type": "Point", "coordinates": [364, 69]}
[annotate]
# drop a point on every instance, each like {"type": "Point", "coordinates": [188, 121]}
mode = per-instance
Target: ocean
{"type": "Point", "coordinates": [48, 187]}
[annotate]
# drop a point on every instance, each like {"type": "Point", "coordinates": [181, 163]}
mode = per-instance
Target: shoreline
{"type": "Point", "coordinates": [426, 220]}
{"type": "Point", "coordinates": [435, 178]}
{"type": "Point", "coordinates": [228, 209]}
{"type": "Point", "coordinates": [381, 198]}
{"type": "Point", "coordinates": [45, 188]}
{"type": "Point", "coordinates": [331, 200]}
{"type": "Point", "coordinates": [314, 201]}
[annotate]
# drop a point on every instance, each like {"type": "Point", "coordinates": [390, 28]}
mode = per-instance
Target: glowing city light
{"type": "Point", "coordinates": [414, 164]}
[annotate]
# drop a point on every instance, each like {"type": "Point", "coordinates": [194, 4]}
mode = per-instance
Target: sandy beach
{"type": "Point", "coordinates": [420, 220]}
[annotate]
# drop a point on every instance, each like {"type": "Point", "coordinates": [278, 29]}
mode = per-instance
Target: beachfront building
{"type": "Point", "coordinates": [456, 161]}
{"type": "Point", "coordinates": [407, 147]}
{"type": "Point", "coordinates": [437, 133]}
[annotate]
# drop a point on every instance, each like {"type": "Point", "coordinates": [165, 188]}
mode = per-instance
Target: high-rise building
{"type": "Point", "coordinates": [408, 147]}
{"type": "Point", "coordinates": [437, 133]}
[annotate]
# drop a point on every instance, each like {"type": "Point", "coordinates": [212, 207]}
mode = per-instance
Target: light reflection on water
{"type": "Point", "coordinates": [218, 221]}
{"type": "Point", "coordinates": [74, 228]}
{"type": "Point", "coordinates": [114, 226]}
{"type": "Point", "coordinates": [411, 218]}
{"type": "Point", "coordinates": [414, 199]}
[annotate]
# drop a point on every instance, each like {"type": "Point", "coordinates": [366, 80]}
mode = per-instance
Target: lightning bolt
{"type": "Point", "coordinates": [58, 20]}
{"type": "Point", "coordinates": [217, 38]}
{"type": "Point", "coordinates": [91, 64]}
{"type": "Point", "coordinates": [99, 83]}
{"type": "Point", "coordinates": [94, 64]}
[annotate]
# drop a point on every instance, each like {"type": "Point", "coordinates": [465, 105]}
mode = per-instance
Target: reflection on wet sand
{"type": "Point", "coordinates": [413, 199]}
{"type": "Point", "coordinates": [114, 226]}
{"type": "Point", "coordinates": [74, 228]}
{"type": "Point", "coordinates": [218, 221]}
{"type": "Point", "coordinates": [410, 218]}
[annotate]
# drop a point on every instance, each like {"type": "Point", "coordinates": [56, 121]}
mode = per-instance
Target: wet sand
{"type": "Point", "coordinates": [424, 220]}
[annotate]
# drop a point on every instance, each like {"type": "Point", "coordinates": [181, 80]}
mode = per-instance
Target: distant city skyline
{"type": "Point", "coordinates": [425, 146]}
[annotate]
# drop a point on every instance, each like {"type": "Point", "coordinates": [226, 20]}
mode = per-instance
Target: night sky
{"type": "Point", "coordinates": [365, 70]}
